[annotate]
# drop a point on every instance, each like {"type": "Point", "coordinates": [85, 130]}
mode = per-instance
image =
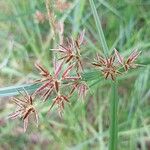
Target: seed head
{"type": "Point", "coordinates": [107, 66]}
{"type": "Point", "coordinates": [24, 109]}
{"type": "Point", "coordinates": [52, 83]}
{"type": "Point", "coordinates": [71, 51]}
{"type": "Point", "coordinates": [130, 61]}
{"type": "Point", "coordinates": [60, 101]}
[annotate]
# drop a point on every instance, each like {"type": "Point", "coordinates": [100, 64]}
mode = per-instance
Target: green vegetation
{"type": "Point", "coordinates": [114, 114]}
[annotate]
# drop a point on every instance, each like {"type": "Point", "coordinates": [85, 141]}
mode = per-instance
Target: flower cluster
{"type": "Point", "coordinates": [58, 85]}
{"type": "Point", "coordinates": [66, 77]}
{"type": "Point", "coordinates": [70, 51]}
{"type": "Point", "coordinates": [60, 6]}
{"type": "Point", "coordinates": [111, 68]}
{"type": "Point", "coordinates": [25, 108]}
{"type": "Point", "coordinates": [69, 78]}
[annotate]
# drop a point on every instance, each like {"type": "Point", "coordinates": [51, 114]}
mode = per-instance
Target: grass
{"type": "Point", "coordinates": [85, 125]}
{"type": "Point", "coordinates": [99, 29]}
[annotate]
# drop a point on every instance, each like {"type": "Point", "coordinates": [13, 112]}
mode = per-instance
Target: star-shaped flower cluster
{"type": "Point", "coordinates": [25, 109]}
{"type": "Point", "coordinates": [66, 77]}
{"type": "Point", "coordinates": [110, 68]}
{"type": "Point", "coordinates": [59, 84]}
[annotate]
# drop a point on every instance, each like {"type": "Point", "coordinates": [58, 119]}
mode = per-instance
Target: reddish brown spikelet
{"type": "Point", "coordinates": [43, 72]}
{"type": "Point", "coordinates": [56, 86]}
{"type": "Point", "coordinates": [60, 100]}
{"type": "Point", "coordinates": [99, 61]}
{"type": "Point", "coordinates": [47, 94]}
{"type": "Point", "coordinates": [80, 39]}
{"type": "Point", "coordinates": [57, 68]}
{"type": "Point", "coordinates": [80, 87]}
{"type": "Point", "coordinates": [65, 74]}
{"type": "Point", "coordinates": [82, 90]}
{"type": "Point", "coordinates": [119, 57]}
{"type": "Point", "coordinates": [47, 82]}
{"type": "Point", "coordinates": [132, 58]}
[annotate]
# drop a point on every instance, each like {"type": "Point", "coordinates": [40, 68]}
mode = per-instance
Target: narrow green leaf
{"type": "Point", "coordinates": [78, 13]}
{"type": "Point", "coordinates": [13, 90]}
{"type": "Point", "coordinates": [99, 28]}
{"type": "Point", "coordinates": [92, 77]}
{"type": "Point", "coordinates": [113, 10]}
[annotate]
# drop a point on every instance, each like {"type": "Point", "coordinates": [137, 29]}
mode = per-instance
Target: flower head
{"type": "Point", "coordinates": [71, 51]}
{"type": "Point", "coordinates": [107, 66]}
{"type": "Point", "coordinates": [81, 88]}
{"type": "Point", "coordinates": [130, 61]}
{"type": "Point", "coordinates": [52, 83]}
{"type": "Point", "coordinates": [24, 109]}
{"type": "Point", "coordinates": [46, 80]}
{"type": "Point", "coordinates": [60, 101]}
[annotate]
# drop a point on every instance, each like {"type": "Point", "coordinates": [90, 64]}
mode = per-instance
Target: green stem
{"type": "Point", "coordinates": [114, 118]}
{"type": "Point", "coordinates": [114, 95]}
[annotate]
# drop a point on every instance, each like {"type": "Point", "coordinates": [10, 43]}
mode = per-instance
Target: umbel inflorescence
{"type": "Point", "coordinates": [67, 74]}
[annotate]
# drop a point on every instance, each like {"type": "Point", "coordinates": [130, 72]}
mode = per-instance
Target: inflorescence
{"type": "Point", "coordinates": [67, 74]}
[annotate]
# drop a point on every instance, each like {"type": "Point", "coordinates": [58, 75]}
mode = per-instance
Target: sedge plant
{"type": "Point", "coordinates": [68, 73]}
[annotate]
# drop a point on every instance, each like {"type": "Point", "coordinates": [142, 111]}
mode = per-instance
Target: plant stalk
{"type": "Point", "coordinates": [114, 118]}
{"type": "Point", "coordinates": [114, 94]}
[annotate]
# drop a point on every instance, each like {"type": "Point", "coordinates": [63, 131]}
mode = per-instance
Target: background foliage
{"type": "Point", "coordinates": [85, 125]}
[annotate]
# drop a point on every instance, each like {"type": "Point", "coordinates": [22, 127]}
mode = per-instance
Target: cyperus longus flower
{"type": "Point", "coordinates": [52, 83]}
{"type": "Point", "coordinates": [107, 66]}
{"type": "Point", "coordinates": [80, 87]}
{"type": "Point", "coordinates": [60, 101]}
{"type": "Point", "coordinates": [57, 82]}
{"type": "Point", "coordinates": [130, 61]}
{"type": "Point", "coordinates": [70, 51]}
{"type": "Point", "coordinates": [24, 109]}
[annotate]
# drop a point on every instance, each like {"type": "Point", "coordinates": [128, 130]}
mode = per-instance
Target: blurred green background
{"type": "Point", "coordinates": [26, 37]}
